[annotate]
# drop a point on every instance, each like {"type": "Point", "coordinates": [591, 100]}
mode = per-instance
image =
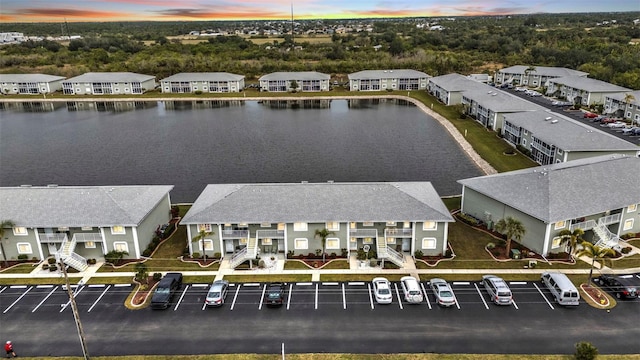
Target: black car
{"type": "Point", "coordinates": [622, 286]}
{"type": "Point", "coordinates": [167, 286]}
{"type": "Point", "coordinates": [275, 294]}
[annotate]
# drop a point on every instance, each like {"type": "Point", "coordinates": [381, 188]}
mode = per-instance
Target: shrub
{"type": "Point", "coordinates": [372, 254]}
{"type": "Point", "coordinates": [261, 264]}
{"type": "Point", "coordinates": [290, 254]}
{"type": "Point", "coordinates": [362, 255]}
{"type": "Point", "coordinates": [147, 252]}
{"type": "Point", "coordinates": [523, 150]}
{"type": "Point", "coordinates": [626, 250]}
{"type": "Point", "coordinates": [373, 262]}
{"type": "Point", "coordinates": [53, 267]}
{"type": "Point", "coordinates": [45, 266]}
{"type": "Point", "coordinates": [51, 261]}
{"type": "Point", "coordinates": [344, 252]}
{"type": "Point", "coordinates": [198, 92]}
{"type": "Point", "coordinates": [318, 252]}
{"type": "Point", "coordinates": [448, 253]}
{"type": "Point", "coordinates": [175, 211]}
{"type": "Point", "coordinates": [468, 219]}
{"type": "Point", "coordinates": [157, 276]}
{"type": "Point", "coordinates": [491, 246]}
{"type": "Point", "coordinates": [92, 261]}
{"type": "Point", "coordinates": [115, 256]}
{"type": "Point", "coordinates": [333, 255]}
{"type": "Point", "coordinates": [418, 254]}
{"type": "Point", "coordinates": [195, 255]}
{"type": "Point", "coordinates": [217, 255]}
{"type": "Point", "coordinates": [585, 351]}
{"type": "Point", "coordinates": [23, 257]}
{"type": "Point", "coordinates": [389, 90]}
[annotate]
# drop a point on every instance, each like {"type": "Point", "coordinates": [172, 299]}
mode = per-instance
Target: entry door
{"type": "Point", "coordinates": [228, 246]}
{"type": "Point", "coordinates": [52, 248]}
{"type": "Point", "coordinates": [280, 245]}
{"type": "Point", "coordinates": [406, 244]}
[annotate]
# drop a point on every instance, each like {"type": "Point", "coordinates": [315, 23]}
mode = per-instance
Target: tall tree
{"type": "Point", "coordinates": [203, 234]}
{"type": "Point", "coordinates": [4, 224]}
{"type": "Point", "coordinates": [571, 238]}
{"type": "Point", "coordinates": [323, 234]}
{"type": "Point", "coordinates": [511, 227]}
{"type": "Point", "coordinates": [594, 252]}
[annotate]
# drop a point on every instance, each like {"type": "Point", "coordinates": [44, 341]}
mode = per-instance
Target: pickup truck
{"type": "Point", "coordinates": [167, 286]}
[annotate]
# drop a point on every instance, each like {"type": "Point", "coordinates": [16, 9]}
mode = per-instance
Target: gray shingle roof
{"type": "Point", "coordinates": [498, 100]}
{"type": "Point", "coordinates": [387, 74]}
{"type": "Point", "coordinates": [76, 206]}
{"type": "Point", "coordinates": [567, 190]}
{"type": "Point", "coordinates": [543, 71]}
{"type": "Point", "coordinates": [621, 95]}
{"type": "Point", "coordinates": [204, 76]}
{"type": "Point", "coordinates": [585, 83]}
{"type": "Point", "coordinates": [566, 133]}
{"type": "Point", "coordinates": [295, 75]}
{"type": "Point", "coordinates": [118, 77]}
{"type": "Point", "coordinates": [456, 82]}
{"type": "Point", "coordinates": [18, 78]}
{"type": "Point", "coordinates": [317, 202]}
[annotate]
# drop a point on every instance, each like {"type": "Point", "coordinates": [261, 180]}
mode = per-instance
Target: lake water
{"type": "Point", "coordinates": [191, 144]}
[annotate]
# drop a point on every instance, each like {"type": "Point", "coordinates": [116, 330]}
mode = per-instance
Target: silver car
{"type": "Point", "coordinates": [217, 293]}
{"type": "Point", "coordinates": [498, 290]}
{"type": "Point", "coordinates": [382, 290]}
{"type": "Point", "coordinates": [442, 291]}
{"type": "Point", "coordinates": [411, 290]}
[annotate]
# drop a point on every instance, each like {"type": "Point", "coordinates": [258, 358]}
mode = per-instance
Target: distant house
{"type": "Point", "coordinates": [553, 138]}
{"type": "Point", "coordinates": [449, 88]}
{"type": "Point", "coordinates": [75, 223]}
{"type": "Point", "coordinates": [624, 104]}
{"type": "Point", "coordinates": [394, 219]}
{"type": "Point", "coordinates": [11, 37]}
{"type": "Point", "coordinates": [583, 90]}
{"type": "Point", "coordinates": [489, 105]}
{"type": "Point", "coordinates": [31, 84]}
{"type": "Point", "coordinates": [395, 79]}
{"type": "Point", "coordinates": [306, 81]}
{"type": "Point", "coordinates": [533, 76]}
{"type": "Point", "coordinates": [207, 82]}
{"type": "Point", "coordinates": [108, 83]}
{"type": "Point", "coordinates": [483, 78]}
{"type": "Point", "coordinates": [600, 195]}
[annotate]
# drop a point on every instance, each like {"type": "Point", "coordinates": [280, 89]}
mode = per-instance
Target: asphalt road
{"type": "Point", "coordinates": [316, 317]}
{"type": "Point", "coordinates": [574, 114]}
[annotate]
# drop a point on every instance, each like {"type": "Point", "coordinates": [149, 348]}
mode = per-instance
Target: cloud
{"type": "Point", "coordinates": [72, 13]}
{"type": "Point", "coordinates": [220, 14]}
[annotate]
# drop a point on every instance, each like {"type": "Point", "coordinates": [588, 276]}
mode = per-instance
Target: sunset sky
{"type": "Point", "coordinates": [164, 10]}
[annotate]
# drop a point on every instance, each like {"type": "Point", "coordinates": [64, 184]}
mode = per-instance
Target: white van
{"type": "Point", "coordinates": [561, 287]}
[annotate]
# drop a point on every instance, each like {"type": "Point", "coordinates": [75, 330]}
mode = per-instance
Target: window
{"type": "Point", "coordinates": [353, 225]}
{"type": "Point", "coordinates": [208, 245]}
{"type": "Point", "coordinates": [281, 226]}
{"type": "Point", "coordinates": [86, 228]}
{"type": "Point", "coordinates": [300, 226]}
{"type": "Point", "coordinates": [301, 244]}
{"type": "Point", "coordinates": [524, 142]}
{"type": "Point", "coordinates": [120, 246]}
{"type": "Point", "coordinates": [20, 231]}
{"type": "Point", "coordinates": [429, 225]}
{"type": "Point", "coordinates": [333, 226]}
{"type": "Point", "coordinates": [242, 241]}
{"type": "Point", "coordinates": [63, 228]}
{"type": "Point", "coordinates": [204, 227]}
{"type": "Point", "coordinates": [24, 248]}
{"type": "Point", "coordinates": [391, 240]}
{"type": "Point", "coordinates": [429, 243]}
{"type": "Point", "coordinates": [632, 208]}
{"type": "Point", "coordinates": [118, 230]}
{"type": "Point", "coordinates": [391, 223]}
{"type": "Point", "coordinates": [556, 241]}
{"type": "Point", "coordinates": [367, 240]}
{"type": "Point", "coordinates": [332, 243]}
{"type": "Point", "coordinates": [406, 225]}
{"type": "Point", "coordinates": [267, 241]}
{"type": "Point", "coordinates": [628, 224]}
{"type": "Point", "coordinates": [265, 225]}
{"type": "Point", "coordinates": [90, 245]}
{"type": "Point", "coordinates": [560, 225]}
{"type": "Point", "coordinates": [367, 223]}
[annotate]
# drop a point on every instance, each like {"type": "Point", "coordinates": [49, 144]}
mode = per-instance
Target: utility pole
{"type": "Point", "coordinates": [74, 309]}
{"type": "Point", "coordinates": [293, 39]}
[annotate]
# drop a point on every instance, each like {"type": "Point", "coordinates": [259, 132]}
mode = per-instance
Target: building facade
{"type": "Point", "coordinates": [305, 81]}
{"type": "Point", "coordinates": [380, 80]}
{"type": "Point", "coordinates": [108, 83]}
{"type": "Point", "coordinates": [30, 84]}
{"type": "Point", "coordinates": [625, 105]}
{"type": "Point", "coordinates": [245, 220]}
{"type": "Point", "coordinates": [207, 82]}
{"type": "Point", "coordinates": [533, 76]}
{"type": "Point", "coordinates": [582, 90]}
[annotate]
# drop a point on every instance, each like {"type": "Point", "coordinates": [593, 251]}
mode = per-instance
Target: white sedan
{"type": "Point", "coordinates": [442, 291]}
{"type": "Point", "coordinates": [617, 125]}
{"type": "Point", "coordinates": [382, 290]}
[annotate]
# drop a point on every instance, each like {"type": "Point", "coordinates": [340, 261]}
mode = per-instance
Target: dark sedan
{"type": "Point", "coordinates": [622, 286]}
{"type": "Point", "coordinates": [275, 294]}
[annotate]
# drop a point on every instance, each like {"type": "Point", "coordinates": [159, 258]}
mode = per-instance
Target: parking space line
{"type": "Point", "coordinates": [264, 290]}
{"type": "Point", "coordinates": [344, 298]}
{"type": "Point", "coordinates": [99, 297]}
{"type": "Point", "coordinates": [3, 289]}
{"type": "Point", "coordinates": [204, 306]}
{"type": "Point", "coordinates": [121, 285]}
{"type": "Point", "coordinates": [356, 283]}
{"type": "Point", "coordinates": [44, 287]}
{"type": "Point", "coordinates": [461, 283]}
{"type": "Point", "coordinates": [544, 297]}
{"type": "Point", "coordinates": [518, 283]}
{"type": "Point", "coordinates": [18, 286]}
{"type": "Point", "coordinates": [75, 293]}
{"type": "Point", "coordinates": [45, 299]}
{"type": "Point", "coordinates": [233, 303]}
{"type": "Point", "coordinates": [251, 284]}
{"type": "Point", "coordinates": [514, 303]}
{"type": "Point", "coordinates": [370, 295]}
{"type": "Point", "coordinates": [426, 298]}
{"type": "Point", "coordinates": [96, 285]}
{"type": "Point", "coordinates": [289, 297]}
{"type": "Point", "coordinates": [316, 308]}
{"type": "Point", "coordinates": [199, 285]}
{"type": "Point", "coordinates": [398, 295]}
{"type": "Point", "coordinates": [481, 297]}
{"type": "Point", "coordinates": [330, 283]}
{"type": "Point", "coordinates": [18, 299]}
{"type": "Point", "coordinates": [304, 283]}
{"type": "Point", "coordinates": [181, 297]}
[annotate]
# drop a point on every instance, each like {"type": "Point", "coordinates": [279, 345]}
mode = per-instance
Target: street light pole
{"type": "Point", "coordinates": [74, 309]}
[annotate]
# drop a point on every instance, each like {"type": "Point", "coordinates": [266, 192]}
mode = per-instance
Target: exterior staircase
{"type": "Point", "coordinates": [68, 257]}
{"type": "Point", "coordinates": [606, 238]}
{"type": "Point", "coordinates": [248, 253]}
{"type": "Point", "coordinates": [387, 253]}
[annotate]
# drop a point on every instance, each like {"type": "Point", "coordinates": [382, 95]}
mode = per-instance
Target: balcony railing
{"type": "Point", "coordinates": [363, 233]}
{"type": "Point", "coordinates": [235, 234]}
{"type": "Point", "coordinates": [398, 233]}
{"type": "Point", "coordinates": [590, 224]}
{"type": "Point", "coordinates": [85, 237]}
{"type": "Point", "coordinates": [52, 238]}
{"type": "Point", "coordinates": [274, 234]}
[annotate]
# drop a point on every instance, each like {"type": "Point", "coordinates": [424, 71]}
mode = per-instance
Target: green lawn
{"type": "Point", "coordinates": [331, 356]}
{"type": "Point", "coordinates": [359, 277]}
{"type": "Point", "coordinates": [19, 269]}
{"type": "Point", "coordinates": [268, 278]}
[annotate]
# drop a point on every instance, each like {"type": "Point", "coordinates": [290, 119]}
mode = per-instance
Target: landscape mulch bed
{"type": "Point", "coordinates": [141, 295]}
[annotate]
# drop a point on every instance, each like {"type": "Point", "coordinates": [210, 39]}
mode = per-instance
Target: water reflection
{"type": "Point", "coordinates": [297, 104]}
{"type": "Point", "coordinates": [31, 106]}
{"type": "Point", "coordinates": [201, 104]}
{"type": "Point", "coordinates": [109, 106]}
{"type": "Point", "coordinates": [369, 103]}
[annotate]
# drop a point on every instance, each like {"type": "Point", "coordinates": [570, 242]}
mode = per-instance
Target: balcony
{"type": "Point", "coordinates": [398, 233]}
{"type": "Point", "coordinates": [273, 234]}
{"type": "Point", "coordinates": [87, 237]}
{"type": "Point", "coordinates": [235, 234]}
{"type": "Point", "coordinates": [363, 233]}
{"type": "Point", "coordinates": [51, 238]}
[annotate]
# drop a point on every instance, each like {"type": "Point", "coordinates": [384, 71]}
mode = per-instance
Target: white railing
{"type": "Point", "coordinates": [609, 219]}
{"type": "Point", "coordinates": [235, 234]}
{"type": "Point", "coordinates": [393, 232]}
{"type": "Point", "coordinates": [238, 258]}
{"type": "Point", "coordinates": [52, 238]}
{"type": "Point", "coordinates": [585, 225]}
{"type": "Point", "coordinates": [607, 238]}
{"type": "Point", "coordinates": [84, 237]}
{"type": "Point", "coordinates": [276, 234]}
{"type": "Point", "coordinates": [362, 233]}
{"type": "Point", "coordinates": [395, 257]}
{"type": "Point", "coordinates": [67, 256]}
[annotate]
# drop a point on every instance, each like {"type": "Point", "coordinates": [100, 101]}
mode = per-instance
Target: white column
{"type": "Point", "coordinates": [189, 239]}
{"type": "Point", "coordinates": [136, 244]}
{"type": "Point", "coordinates": [413, 238]}
{"type": "Point", "coordinates": [545, 245]}
{"type": "Point", "coordinates": [35, 231]}
{"type": "Point", "coordinates": [223, 250]}
{"type": "Point", "coordinates": [105, 250]}
{"type": "Point", "coordinates": [445, 238]}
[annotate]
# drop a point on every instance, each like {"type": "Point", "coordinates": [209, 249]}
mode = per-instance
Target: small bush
{"type": "Point", "coordinates": [290, 254]}
{"type": "Point", "coordinates": [626, 250]}
{"type": "Point", "coordinates": [157, 276]}
{"type": "Point", "coordinates": [261, 264]}
{"type": "Point", "coordinates": [372, 254]}
{"type": "Point", "coordinates": [53, 267]}
{"type": "Point", "coordinates": [491, 246]}
{"type": "Point", "coordinates": [333, 255]}
{"type": "Point", "coordinates": [362, 255]}
{"type": "Point", "coordinates": [468, 219]}
{"type": "Point", "coordinates": [51, 261]}
{"type": "Point", "coordinates": [373, 262]}
{"type": "Point", "coordinates": [344, 252]}
{"type": "Point", "coordinates": [23, 257]}
{"type": "Point", "coordinates": [147, 252]}
{"type": "Point", "coordinates": [92, 261]}
{"type": "Point", "coordinates": [389, 90]}
{"type": "Point", "coordinates": [585, 351]}
{"type": "Point", "coordinates": [418, 254]}
{"type": "Point", "coordinates": [198, 92]}
{"type": "Point", "coordinates": [45, 266]}
{"type": "Point", "coordinates": [448, 253]}
{"type": "Point", "coordinates": [217, 255]}
{"type": "Point", "coordinates": [318, 252]}
{"type": "Point", "coordinates": [196, 255]}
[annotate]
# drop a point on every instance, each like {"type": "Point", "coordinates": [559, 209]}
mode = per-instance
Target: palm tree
{"type": "Point", "coordinates": [323, 234]}
{"type": "Point", "coordinates": [142, 273]}
{"type": "Point", "coordinates": [511, 227]}
{"type": "Point", "coordinates": [203, 234]}
{"type": "Point", "coordinates": [595, 252]}
{"type": "Point", "coordinates": [528, 71]}
{"type": "Point", "coordinates": [4, 224]}
{"type": "Point", "coordinates": [628, 99]}
{"type": "Point", "coordinates": [571, 238]}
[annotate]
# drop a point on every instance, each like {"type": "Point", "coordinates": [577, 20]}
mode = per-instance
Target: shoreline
{"type": "Point", "coordinates": [482, 164]}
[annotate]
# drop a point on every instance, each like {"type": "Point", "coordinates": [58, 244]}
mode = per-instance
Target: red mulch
{"type": "Point", "coordinates": [141, 296]}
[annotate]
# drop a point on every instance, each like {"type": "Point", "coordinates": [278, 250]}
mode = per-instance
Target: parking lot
{"type": "Point", "coordinates": [308, 296]}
